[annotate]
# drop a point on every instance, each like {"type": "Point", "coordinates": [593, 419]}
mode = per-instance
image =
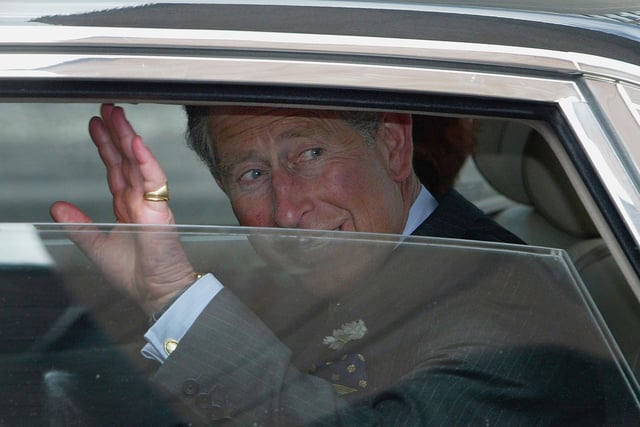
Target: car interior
{"type": "Point", "coordinates": [545, 210]}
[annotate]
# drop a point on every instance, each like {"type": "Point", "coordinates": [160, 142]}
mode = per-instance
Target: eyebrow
{"type": "Point", "coordinates": [230, 161]}
{"type": "Point", "coordinates": [227, 164]}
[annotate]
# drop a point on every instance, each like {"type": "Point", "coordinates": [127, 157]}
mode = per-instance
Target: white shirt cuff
{"type": "Point", "coordinates": [168, 330]}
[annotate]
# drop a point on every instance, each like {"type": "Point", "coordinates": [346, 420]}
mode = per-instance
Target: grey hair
{"type": "Point", "coordinates": [198, 134]}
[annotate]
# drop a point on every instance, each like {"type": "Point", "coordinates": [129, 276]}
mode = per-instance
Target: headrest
{"type": "Point", "coordinates": [550, 190]}
{"type": "Point", "coordinates": [498, 157]}
{"type": "Point", "coordinates": [518, 162]}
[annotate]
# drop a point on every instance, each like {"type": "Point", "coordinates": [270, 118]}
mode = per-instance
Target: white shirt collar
{"type": "Point", "coordinates": [420, 210]}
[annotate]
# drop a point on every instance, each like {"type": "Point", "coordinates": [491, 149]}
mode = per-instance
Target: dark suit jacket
{"type": "Point", "coordinates": [456, 336]}
{"type": "Point", "coordinates": [457, 218]}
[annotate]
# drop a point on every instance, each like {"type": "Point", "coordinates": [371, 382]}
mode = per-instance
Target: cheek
{"type": "Point", "coordinates": [362, 190]}
{"type": "Point", "coordinates": [252, 213]}
{"type": "Point", "coordinates": [347, 187]}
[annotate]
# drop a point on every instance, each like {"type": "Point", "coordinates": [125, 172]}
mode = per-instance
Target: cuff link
{"type": "Point", "coordinates": [170, 345]}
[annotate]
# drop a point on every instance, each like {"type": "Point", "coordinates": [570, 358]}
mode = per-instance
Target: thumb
{"type": "Point", "coordinates": [66, 212]}
{"type": "Point", "coordinates": [87, 237]}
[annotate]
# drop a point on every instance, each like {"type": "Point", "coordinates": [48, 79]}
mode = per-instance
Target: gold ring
{"type": "Point", "coordinates": [159, 195]}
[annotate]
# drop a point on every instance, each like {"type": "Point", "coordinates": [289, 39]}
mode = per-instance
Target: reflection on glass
{"type": "Point", "coordinates": [314, 327]}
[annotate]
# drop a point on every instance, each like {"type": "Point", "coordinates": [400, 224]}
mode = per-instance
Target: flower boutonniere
{"type": "Point", "coordinates": [347, 332]}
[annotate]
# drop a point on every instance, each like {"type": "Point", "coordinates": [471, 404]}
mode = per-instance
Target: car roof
{"type": "Point", "coordinates": [590, 27]}
{"type": "Point", "coordinates": [36, 7]}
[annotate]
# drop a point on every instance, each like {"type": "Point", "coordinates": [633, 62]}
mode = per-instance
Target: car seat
{"type": "Point", "coordinates": [546, 211]}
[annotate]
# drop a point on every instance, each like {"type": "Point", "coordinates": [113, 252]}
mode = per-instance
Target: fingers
{"type": "Point", "coordinates": [109, 153]}
{"type": "Point", "coordinates": [152, 174]}
{"type": "Point", "coordinates": [121, 130]}
{"type": "Point", "coordinates": [132, 169]}
{"type": "Point", "coordinates": [113, 136]}
{"type": "Point", "coordinates": [111, 149]}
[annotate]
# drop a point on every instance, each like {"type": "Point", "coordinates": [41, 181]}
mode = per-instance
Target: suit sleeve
{"type": "Point", "coordinates": [230, 366]}
{"type": "Point", "coordinates": [231, 369]}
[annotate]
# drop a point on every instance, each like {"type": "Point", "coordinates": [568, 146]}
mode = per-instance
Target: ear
{"type": "Point", "coordinates": [398, 141]}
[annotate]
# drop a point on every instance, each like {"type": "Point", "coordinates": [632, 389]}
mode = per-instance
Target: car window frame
{"type": "Point", "coordinates": [61, 63]}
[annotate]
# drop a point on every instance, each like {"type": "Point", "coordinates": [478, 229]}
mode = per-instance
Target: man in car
{"type": "Point", "coordinates": [328, 170]}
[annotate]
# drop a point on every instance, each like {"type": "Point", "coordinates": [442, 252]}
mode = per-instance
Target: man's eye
{"type": "Point", "coordinates": [312, 153]}
{"type": "Point", "coordinates": [251, 175]}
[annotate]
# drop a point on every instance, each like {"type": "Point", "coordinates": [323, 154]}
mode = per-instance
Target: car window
{"type": "Point", "coordinates": [46, 147]}
{"type": "Point", "coordinates": [450, 307]}
{"type": "Point", "coordinates": [58, 162]}
{"type": "Point", "coordinates": [51, 140]}
{"type": "Point", "coordinates": [537, 201]}
{"type": "Point", "coordinates": [508, 168]}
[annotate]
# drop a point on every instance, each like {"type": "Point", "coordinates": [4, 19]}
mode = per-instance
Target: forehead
{"type": "Point", "coordinates": [231, 123]}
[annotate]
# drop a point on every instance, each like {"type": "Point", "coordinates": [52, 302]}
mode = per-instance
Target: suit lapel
{"type": "Point", "coordinates": [457, 218]}
{"type": "Point", "coordinates": [452, 218]}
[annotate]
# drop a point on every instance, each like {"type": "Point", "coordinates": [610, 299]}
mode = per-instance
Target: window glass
{"type": "Point", "coordinates": [47, 155]}
{"type": "Point", "coordinates": [456, 328]}
{"type": "Point", "coordinates": [538, 203]}
{"type": "Point", "coordinates": [504, 167]}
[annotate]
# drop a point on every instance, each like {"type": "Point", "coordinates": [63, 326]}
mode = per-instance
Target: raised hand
{"type": "Point", "coordinates": [151, 267]}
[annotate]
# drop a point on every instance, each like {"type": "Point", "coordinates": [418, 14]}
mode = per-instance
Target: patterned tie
{"type": "Point", "coordinates": [347, 374]}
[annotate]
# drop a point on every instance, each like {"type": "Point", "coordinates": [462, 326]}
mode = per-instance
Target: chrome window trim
{"type": "Point", "coordinates": [629, 95]}
{"type": "Point", "coordinates": [285, 72]}
{"type": "Point", "coordinates": [51, 39]}
{"type": "Point", "coordinates": [617, 109]}
{"type": "Point", "coordinates": [617, 180]}
{"type": "Point", "coordinates": [204, 40]}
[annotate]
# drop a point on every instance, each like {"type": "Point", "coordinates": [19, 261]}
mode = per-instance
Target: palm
{"type": "Point", "coordinates": [149, 266]}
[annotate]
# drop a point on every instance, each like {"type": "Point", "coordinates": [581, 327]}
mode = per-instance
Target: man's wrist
{"type": "Point", "coordinates": [156, 314]}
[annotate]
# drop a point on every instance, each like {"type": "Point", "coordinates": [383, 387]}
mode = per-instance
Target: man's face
{"type": "Point", "coordinates": [306, 169]}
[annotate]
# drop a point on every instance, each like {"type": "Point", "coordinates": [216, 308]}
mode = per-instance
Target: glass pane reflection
{"type": "Point", "coordinates": [491, 326]}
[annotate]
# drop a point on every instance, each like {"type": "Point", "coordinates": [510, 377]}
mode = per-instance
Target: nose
{"type": "Point", "coordinates": [292, 200]}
